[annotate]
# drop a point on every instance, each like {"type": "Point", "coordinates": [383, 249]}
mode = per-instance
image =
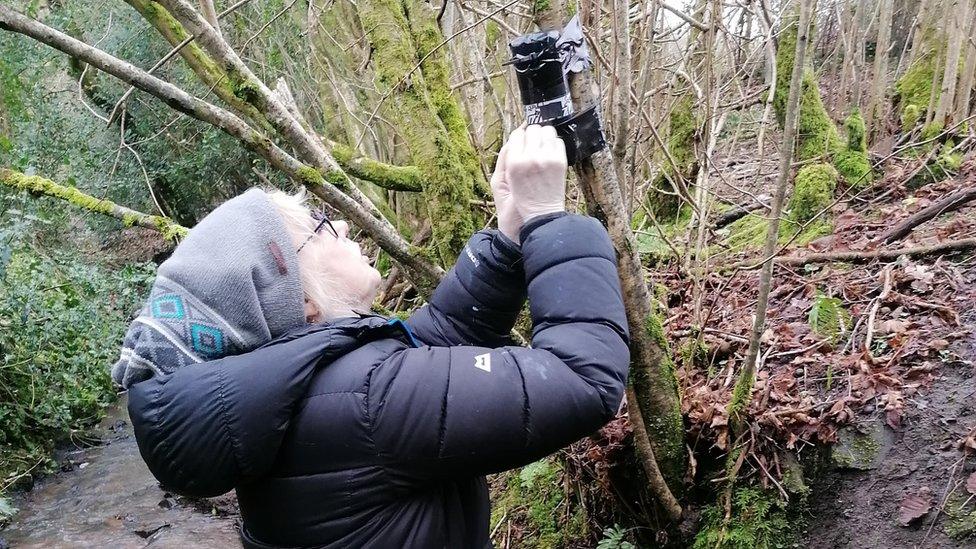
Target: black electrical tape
{"type": "Point", "coordinates": [582, 134]}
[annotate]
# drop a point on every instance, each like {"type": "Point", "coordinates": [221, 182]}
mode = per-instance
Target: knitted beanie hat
{"type": "Point", "coordinates": [230, 287]}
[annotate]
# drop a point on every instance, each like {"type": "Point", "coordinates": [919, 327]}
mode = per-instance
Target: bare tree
{"type": "Point", "coordinates": [877, 104]}
{"type": "Point", "coordinates": [742, 394]}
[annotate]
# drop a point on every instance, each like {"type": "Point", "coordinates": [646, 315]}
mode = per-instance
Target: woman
{"type": "Point", "coordinates": [341, 429]}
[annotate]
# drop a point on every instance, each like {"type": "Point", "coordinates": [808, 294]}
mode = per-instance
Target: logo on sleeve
{"type": "Point", "coordinates": [483, 362]}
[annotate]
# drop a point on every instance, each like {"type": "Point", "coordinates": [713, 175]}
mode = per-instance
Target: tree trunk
{"type": "Point", "coordinates": [968, 76]}
{"type": "Point", "coordinates": [742, 394]}
{"type": "Point", "coordinates": [652, 371]}
{"type": "Point", "coordinates": [426, 114]}
{"type": "Point", "coordinates": [877, 103]}
{"type": "Point", "coordinates": [955, 27]}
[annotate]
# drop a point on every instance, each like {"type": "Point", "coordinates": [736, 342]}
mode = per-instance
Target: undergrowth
{"type": "Point", "coordinates": [759, 520]}
{"type": "Point", "coordinates": [62, 319]}
{"type": "Point", "coordinates": [535, 499]}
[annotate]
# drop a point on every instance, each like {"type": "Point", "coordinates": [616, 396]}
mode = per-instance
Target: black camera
{"type": "Point", "coordinates": [545, 94]}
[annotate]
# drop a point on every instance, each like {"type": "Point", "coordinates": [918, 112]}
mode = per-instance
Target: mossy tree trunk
{"type": "Point", "coordinates": [681, 165]}
{"type": "Point", "coordinates": [652, 372]}
{"type": "Point", "coordinates": [427, 115]}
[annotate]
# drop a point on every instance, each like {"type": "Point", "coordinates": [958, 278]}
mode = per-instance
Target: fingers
{"type": "Point", "coordinates": [516, 141]}
{"type": "Point", "coordinates": [498, 182]}
{"type": "Point", "coordinates": [534, 138]}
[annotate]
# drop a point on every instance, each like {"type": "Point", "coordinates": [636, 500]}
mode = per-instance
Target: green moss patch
{"type": "Point", "coordinates": [759, 520]}
{"type": "Point", "coordinates": [535, 497]}
{"type": "Point", "coordinates": [813, 191]}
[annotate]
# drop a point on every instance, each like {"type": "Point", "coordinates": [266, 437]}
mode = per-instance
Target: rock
{"type": "Point", "coordinates": [861, 451]}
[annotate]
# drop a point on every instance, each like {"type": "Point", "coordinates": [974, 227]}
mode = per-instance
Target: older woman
{"type": "Point", "coordinates": [255, 365]}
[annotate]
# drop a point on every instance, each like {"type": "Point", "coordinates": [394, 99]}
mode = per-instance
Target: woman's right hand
{"type": "Point", "coordinates": [530, 178]}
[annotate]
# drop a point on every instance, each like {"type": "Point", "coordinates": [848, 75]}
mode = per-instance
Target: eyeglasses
{"type": "Point", "coordinates": [323, 222]}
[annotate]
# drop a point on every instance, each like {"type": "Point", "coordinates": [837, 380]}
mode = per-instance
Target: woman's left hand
{"type": "Point", "coordinates": [509, 220]}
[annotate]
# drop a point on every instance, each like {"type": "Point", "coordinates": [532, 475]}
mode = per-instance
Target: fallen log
{"type": "Point", "coordinates": [952, 202]}
{"type": "Point", "coordinates": [854, 256]}
{"type": "Point", "coordinates": [735, 214]}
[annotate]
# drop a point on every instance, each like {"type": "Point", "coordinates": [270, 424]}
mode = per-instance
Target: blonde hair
{"type": "Point", "coordinates": [320, 290]}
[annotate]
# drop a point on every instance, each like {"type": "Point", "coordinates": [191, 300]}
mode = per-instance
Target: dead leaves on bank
{"type": "Point", "coordinates": [896, 329]}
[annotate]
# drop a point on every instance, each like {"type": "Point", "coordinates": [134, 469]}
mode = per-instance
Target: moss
{"type": "Point", "coordinates": [914, 89]}
{"type": "Point", "coordinates": [828, 317]}
{"type": "Point", "coordinates": [397, 178]}
{"type": "Point", "coordinates": [816, 134]}
{"type": "Point", "coordinates": [128, 220]}
{"type": "Point", "coordinates": [682, 136]}
{"type": "Point", "coordinates": [540, 6]}
{"type": "Point", "coordinates": [245, 89]}
{"type": "Point", "coordinates": [427, 116]}
{"type": "Point", "coordinates": [857, 139]}
{"type": "Point", "coordinates": [854, 167]}
{"type": "Point", "coordinates": [665, 428]}
{"type": "Point", "coordinates": [693, 352]}
{"type": "Point", "coordinates": [39, 185]}
{"type": "Point", "coordinates": [960, 520]}
{"type": "Point", "coordinates": [492, 32]}
{"type": "Point", "coordinates": [854, 450]}
{"type": "Point", "coordinates": [741, 396]}
{"type": "Point", "coordinates": [571, 8]}
{"type": "Point", "coordinates": [535, 498]}
{"type": "Point", "coordinates": [310, 176]}
{"type": "Point", "coordinates": [813, 191]}
{"type": "Point", "coordinates": [759, 520]}
{"type": "Point", "coordinates": [169, 229]}
{"type": "Point", "coordinates": [749, 232]}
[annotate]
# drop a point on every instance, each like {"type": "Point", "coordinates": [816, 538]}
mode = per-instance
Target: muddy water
{"type": "Point", "coordinates": [109, 499]}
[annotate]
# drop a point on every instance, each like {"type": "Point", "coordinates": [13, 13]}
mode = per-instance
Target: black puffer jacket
{"type": "Point", "coordinates": [362, 434]}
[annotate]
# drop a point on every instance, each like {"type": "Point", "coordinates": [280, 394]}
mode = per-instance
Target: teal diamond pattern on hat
{"type": "Point", "coordinates": [168, 306]}
{"type": "Point", "coordinates": [207, 340]}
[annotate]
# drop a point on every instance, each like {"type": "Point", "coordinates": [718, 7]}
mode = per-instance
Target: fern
{"type": "Point", "coordinates": [828, 318]}
{"type": "Point", "coordinates": [613, 538]}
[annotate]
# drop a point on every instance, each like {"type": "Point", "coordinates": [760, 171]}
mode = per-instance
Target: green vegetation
{"type": "Point", "coordinates": [960, 518]}
{"type": "Point", "coordinates": [759, 520]}
{"type": "Point", "coordinates": [427, 116]}
{"type": "Point", "coordinates": [61, 324]}
{"type": "Point", "coordinates": [914, 89]}
{"type": "Point", "coordinates": [682, 134]}
{"type": "Point", "coordinates": [665, 431]}
{"type": "Point", "coordinates": [852, 162]}
{"type": "Point", "coordinates": [536, 498]}
{"type": "Point", "coordinates": [816, 134]}
{"type": "Point", "coordinates": [813, 191]}
{"type": "Point", "coordinates": [828, 318]}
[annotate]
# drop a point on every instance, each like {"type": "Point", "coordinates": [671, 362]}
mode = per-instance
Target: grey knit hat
{"type": "Point", "coordinates": [230, 287]}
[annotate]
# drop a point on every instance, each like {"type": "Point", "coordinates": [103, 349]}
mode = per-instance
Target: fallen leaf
{"type": "Point", "coordinates": [914, 506]}
{"type": "Point", "coordinates": [893, 326]}
{"type": "Point", "coordinates": [971, 484]}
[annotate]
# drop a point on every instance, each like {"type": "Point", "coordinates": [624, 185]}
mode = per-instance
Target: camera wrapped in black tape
{"type": "Point", "coordinates": [541, 61]}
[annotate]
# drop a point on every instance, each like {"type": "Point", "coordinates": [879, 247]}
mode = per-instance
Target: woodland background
{"type": "Point", "coordinates": [788, 185]}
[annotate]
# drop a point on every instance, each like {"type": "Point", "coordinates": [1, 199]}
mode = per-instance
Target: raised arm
{"type": "Point", "coordinates": [462, 411]}
{"type": "Point", "coordinates": [478, 300]}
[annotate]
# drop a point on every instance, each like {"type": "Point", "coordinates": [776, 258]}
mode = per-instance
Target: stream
{"type": "Point", "coordinates": [106, 497]}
